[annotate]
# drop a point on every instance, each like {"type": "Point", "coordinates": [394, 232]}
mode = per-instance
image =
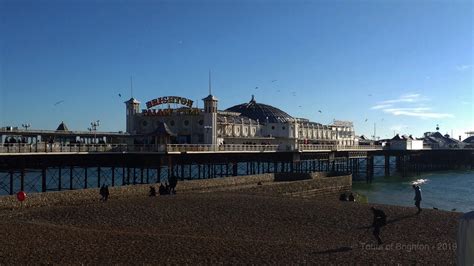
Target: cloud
{"type": "Point", "coordinates": [420, 112]}
{"type": "Point", "coordinates": [463, 67]}
{"type": "Point", "coordinates": [380, 106]}
{"type": "Point", "coordinates": [407, 98]}
{"type": "Point", "coordinates": [410, 106]}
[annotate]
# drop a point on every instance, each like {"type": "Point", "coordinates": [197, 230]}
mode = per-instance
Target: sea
{"type": "Point", "coordinates": [450, 190]}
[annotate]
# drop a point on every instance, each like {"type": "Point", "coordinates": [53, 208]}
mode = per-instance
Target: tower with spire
{"type": "Point", "coordinates": [210, 117]}
{"type": "Point", "coordinates": [133, 108]}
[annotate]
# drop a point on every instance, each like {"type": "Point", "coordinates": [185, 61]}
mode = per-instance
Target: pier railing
{"type": "Point", "coordinates": [172, 148]}
{"type": "Point", "coordinates": [317, 147]}
{"type": "Point", "coordinates": [77, 148]}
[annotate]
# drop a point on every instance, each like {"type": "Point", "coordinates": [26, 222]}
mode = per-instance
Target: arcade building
{"type": "Point", "coordinates": [174, 120]}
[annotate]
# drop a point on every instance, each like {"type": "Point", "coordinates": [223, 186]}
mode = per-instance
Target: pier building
{"type": "Point", "coordinates": [176, 120]}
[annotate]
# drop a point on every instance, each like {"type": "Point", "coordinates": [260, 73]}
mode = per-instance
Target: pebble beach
{"type": "Point", "coordinates": [209, 222]}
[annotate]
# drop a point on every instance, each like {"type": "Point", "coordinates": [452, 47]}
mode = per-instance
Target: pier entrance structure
{"type": "Point", "coordinates": [248, 123]}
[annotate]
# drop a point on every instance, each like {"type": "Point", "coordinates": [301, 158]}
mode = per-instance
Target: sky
{"type": "Point", "coordinates": [396, 66]}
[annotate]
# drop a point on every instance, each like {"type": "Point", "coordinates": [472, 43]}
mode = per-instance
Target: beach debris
{"type": "Point", "coordinates": [21, 196]}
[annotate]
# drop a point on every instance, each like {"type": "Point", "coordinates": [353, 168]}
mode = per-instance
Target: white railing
{"type": "Point", "coordinates": [219, 148]}
{"type": "Point", "coordinates": [360, 147]}
{"type": "Point", "coordinates": [316, 147]}
{"type": "Point", "coordinates": [75, 148]}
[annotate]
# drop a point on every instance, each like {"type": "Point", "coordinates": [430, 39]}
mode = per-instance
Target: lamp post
{"type": "Point", "coordinates": [26, 125]}
{"type": "Point", "coordinates": [93, 127]}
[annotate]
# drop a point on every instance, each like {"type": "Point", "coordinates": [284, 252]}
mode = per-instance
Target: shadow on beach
{"type": "Point", "coordinates": [392, 220]}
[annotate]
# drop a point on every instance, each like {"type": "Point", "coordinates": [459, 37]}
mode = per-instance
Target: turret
{"type": "Point", "coordinates": [210, 120]}
{"type": "Point", "coordinates": [133, 108]}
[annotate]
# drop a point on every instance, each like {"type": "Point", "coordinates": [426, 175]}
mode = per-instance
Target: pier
{"type": "Point", "coordinates": [67, 167]}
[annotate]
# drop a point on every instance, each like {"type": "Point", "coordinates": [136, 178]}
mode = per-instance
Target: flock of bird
{"type": "Point", "coordinates": [293, 94]}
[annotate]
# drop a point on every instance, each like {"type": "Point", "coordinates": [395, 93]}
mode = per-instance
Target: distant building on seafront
{"type": "Point", "coordinates": [405, 142]}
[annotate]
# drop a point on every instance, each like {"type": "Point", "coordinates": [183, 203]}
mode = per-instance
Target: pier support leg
{"type": "Point", "coordinates": [43, 180]}
{"type": "Point", "coordinates": [11, 183]}
{"type": "Point", "coordinates": [22, 179]}
{"type": "Point", "coordinates": [235, 169]}
{"type": "Point", "coordinates": [113, 176]}
{"type": "Point", "coordinates": [59, 180]}
{"type": "Point", "coordinates": [71, 169]}
{"type": "Point", "coordinates": [85, 177]}
{"type": "Point", "coordinates": [182, 172]}
{"type": "Point", "coordinates": [387, 165]}
{"type": "Point", "coordinates": [158, 174]}
{"type": "Point", "coordinates": [98, 176]}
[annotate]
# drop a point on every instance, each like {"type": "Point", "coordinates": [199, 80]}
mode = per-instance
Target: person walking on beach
{"type": "Point", "coordinates": [380, 219]}
{"type": "Point", "coordinates": [173, 182]}
{"type": "Point", "coordinates": [417, 197]}
{"type": "Point", "coordinates": [102, 192]}
{"type": "Point", "coordinates": [152, 192]}
{"type": "Point", "coordinates": [106, 193]}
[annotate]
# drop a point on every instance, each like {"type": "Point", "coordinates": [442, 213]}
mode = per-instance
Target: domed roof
{"type": "Point", "coordinates": [261, 111]}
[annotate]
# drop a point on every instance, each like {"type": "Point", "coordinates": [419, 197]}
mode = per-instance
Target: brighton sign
{"type": "Point", "coordinates": [169, 99]}
{"type": "Point", "coordinates": [167, 112]}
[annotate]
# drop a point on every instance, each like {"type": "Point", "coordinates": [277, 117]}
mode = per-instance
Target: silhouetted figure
{"type": "Point", "coordinates": [173, 182]}
{"type": "Point", "coordinates": [102, 192]}
{"type": "Point", "coordinates": [106, 193]}
{"type": "Point", "coordinates": [417, 197]}
{"type": "Point", "coordinates": [162, 190]}
{"type": "Point", "coordinates": [152, 192]}
{"type": "Point", "coordinates": [351, 197]}
{"type": "Point", "coordinates": [343, 197]}
{"type": "Point", "coordinates": [380, 219]}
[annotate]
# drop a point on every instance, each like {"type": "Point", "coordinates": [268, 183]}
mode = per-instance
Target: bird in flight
{"type": "Point", "coordinates": [274, 80]}
{"type": "Point", "coordinates": [256, 88]}
{"type": "Point", "coordinates": [299, 105]}
{"type": "Point", "coordinates": [120, 95]}
{"type": "Point", "coordinates": [319, 111]}
{"type": "Point", "coordinates": [366, 120]}
{"type": "Point", "coordinates": [58, 102]}
{"type": "Point", "coordinates": [370, 95]}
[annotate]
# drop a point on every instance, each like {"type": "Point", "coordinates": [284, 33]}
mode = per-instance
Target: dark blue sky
{"type": "Point", "coordinates": [405, 65]}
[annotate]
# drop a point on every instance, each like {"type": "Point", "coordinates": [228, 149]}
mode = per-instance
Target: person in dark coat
{"type": "Point", "coordinates": [351, 197]}
{"type": "Point", "coordinates": [162, 190]}
{"type": "Point", "coordinates": [417, 197]}
{"type": "Point", "coordinates": [106, 193]}
{"type": "Point", "coordinates": [102, 192]}
{"type": "Point", "coordinates": [173, 182]}
{"type": "Point", "coordinates": [152, 192]}
{"type": "Point", "coordinates": [380, 219]}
